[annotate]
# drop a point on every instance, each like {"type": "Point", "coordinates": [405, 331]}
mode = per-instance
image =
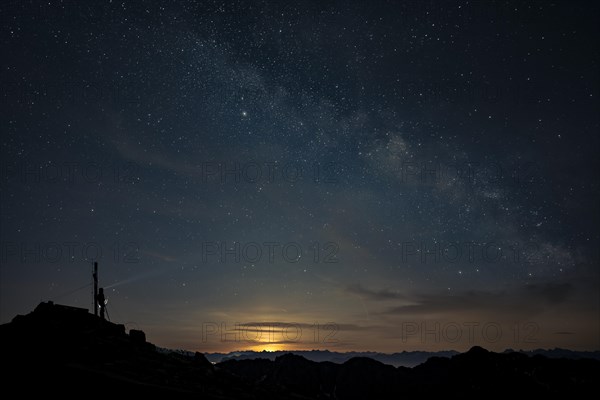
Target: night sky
{"type": "Point", "coordinates": [346, 175]}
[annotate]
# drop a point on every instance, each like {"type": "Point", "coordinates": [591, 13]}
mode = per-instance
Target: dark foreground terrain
{"type": "Point", "coordinates": [67, 351]}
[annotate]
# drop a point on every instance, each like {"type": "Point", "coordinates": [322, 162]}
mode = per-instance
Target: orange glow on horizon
{"type": "Point", "coordinates": [270, 347]}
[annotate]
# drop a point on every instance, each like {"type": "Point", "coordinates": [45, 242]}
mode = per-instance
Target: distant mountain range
{"type": "Point", "coordinates": [65, 351]}
{"type": "Point", "coordinates": [402, 359]}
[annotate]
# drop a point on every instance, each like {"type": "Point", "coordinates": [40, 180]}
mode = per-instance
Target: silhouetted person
{"type": "Point", "coordinates": [101, 301]}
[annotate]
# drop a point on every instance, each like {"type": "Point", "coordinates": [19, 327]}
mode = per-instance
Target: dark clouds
{"type": "Point", "coordinates": [524, 301]}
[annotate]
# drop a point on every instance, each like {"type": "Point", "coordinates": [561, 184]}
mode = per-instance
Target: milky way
{"type": "Point", "coordinates": [344, 176]}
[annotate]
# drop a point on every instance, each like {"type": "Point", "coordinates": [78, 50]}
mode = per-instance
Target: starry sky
{"type": "Point", "coordinates": [340, 175]}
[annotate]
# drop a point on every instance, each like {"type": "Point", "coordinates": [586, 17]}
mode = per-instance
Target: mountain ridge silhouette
{"type": "Point", "coordinates": [396, 359]}
{"type": "Point", "coordinates": [65, 350]}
